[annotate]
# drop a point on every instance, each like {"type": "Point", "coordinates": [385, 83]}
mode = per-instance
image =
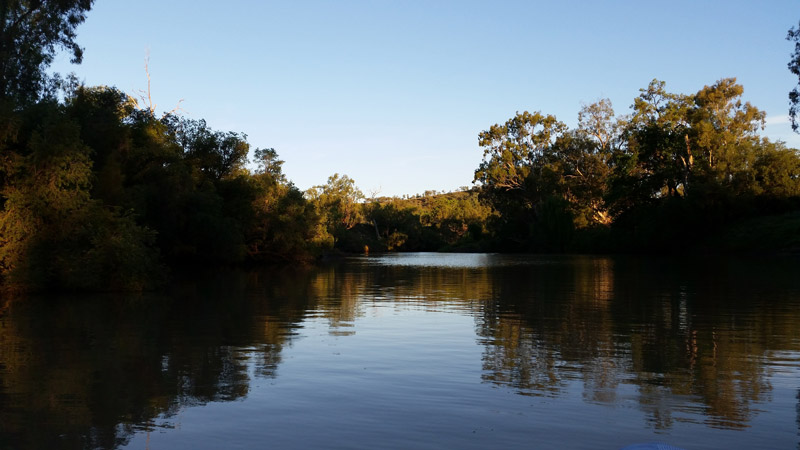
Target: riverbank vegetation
{"type": "Point", "coordinates": [97, 191]}
{"type": "Point", "coordinates": [669, 176]}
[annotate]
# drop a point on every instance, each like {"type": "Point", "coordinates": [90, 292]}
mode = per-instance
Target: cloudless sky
{"type": "Point", "coordinates": [394, 93]}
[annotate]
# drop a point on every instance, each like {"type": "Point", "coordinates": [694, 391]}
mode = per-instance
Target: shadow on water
{"type": "Point", "coordinates": [88, 371]}
{"type": "Point", "coordinates": [670, 336]}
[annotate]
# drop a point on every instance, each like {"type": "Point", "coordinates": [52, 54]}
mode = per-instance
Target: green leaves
{"type": "Point", "coordinates": [794, 66]}
{"type": "Point", "coordinates": [30, 35]}
{"type": "Point", "coordinates": [338, 202]}
{"type": "Point", "coordinates": [704, 147]}
{"type": "Point", "coordinates": [53, 234]}
{"type": "Point", "coordinates": [511, 150]}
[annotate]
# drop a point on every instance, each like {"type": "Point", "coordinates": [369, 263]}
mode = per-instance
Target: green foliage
{"type": "Point", "coordinates": [216, 154]}
{"type": "Point", "coordinates": [95, 192]}
{"type": "Point", "coordinates": [676, 170]}
{"type": "Point", "coordinates": [269, 164]}
{"type": "Point", "coordinates": [513, 155]}
{"type": "Point", "coordinates": [398, 226]}
{"type": "Point", "coordinates": [52, 233]}
{"type": "Point", "coordinates": [533, 160]}
{"type": "Point", "coordinates": [794, 66]}
{"type": "Point", "coordinates": [338, 203]}
{"type": "Point", "coordinates": [577, 172]}
{"type": "Point", "coordinates": [775, 171]}
{"type": "Point", "coordinates": [31, 34]}
{"type": "Point", "coordinates": [428, 222]}
{"type": "Point", "coordinates": [286, 226]}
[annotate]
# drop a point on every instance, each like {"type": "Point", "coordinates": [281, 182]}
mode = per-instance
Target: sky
{"type": "Point", "coordinates": [394, 94]}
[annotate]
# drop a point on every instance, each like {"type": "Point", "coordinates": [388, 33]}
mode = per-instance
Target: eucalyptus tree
{"type": "Point", "coordinates": [676, 144]}
{"type": "Point", "coordinates": [656, 159]}
{"type": "Point", "coordinates": [514, 152]}
{"type": "Point", "coordinates": [32, 32]}
{"type": "Point", "coordinates": [723, 127]}
{"type": "Point", "coordinates": [516, 175]}
{"type": "Point", "coordinates": [339, 202]}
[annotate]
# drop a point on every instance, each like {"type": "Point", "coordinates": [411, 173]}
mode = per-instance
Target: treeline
{"type": "Point", "coordinates": [680, 173]}
{"type": "Point", "coordinates": [427, 222]}
{"type": "Point", "coordinates": [98, 192]}
{"type": "Point", "coordinates": [674, 175]}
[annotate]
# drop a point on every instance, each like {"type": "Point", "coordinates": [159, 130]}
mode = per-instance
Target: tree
{"type": "Point", "coordinates": [517, 173]}
{"type": "Point", "coordinates": [794, 67]}
{"type": "Point", "coordinates": [269, 164]}
{"type": "Point", "coordinates": [597, 120]}
{"type": "Point", "coordinates": [338, 201]}
{"type": "Point", "coordinates": [577, 171]}
{"type": "Point", "coordinates": [285, 226]}
{"type": "Point", "coordinates": [512, 151]}
{"type": "Point", "coordinates": [52, 233]}
{"type": "Point", "coordinates": [590, 150]}
{"type": "Point", "coordinates": [656, 160]}
{"type": "Point", "coordinates": [102, 114]}
{"type": "Point", "coordinates": [32, 32]}
{"type": "Point", "coordinates": [721, 123]}
{"type": "Point", "coordinates": [217, 154]}
{"type": "Point", "coordinates": [776, 170]}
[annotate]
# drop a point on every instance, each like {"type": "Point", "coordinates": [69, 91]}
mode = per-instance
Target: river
{"type": "Point", "coordinates": [423, 351]}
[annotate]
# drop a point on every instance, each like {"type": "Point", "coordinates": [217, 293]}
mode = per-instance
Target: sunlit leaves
{"type": "Point", "coordinates": [338, 200]}
{"type": "Point", "coordinates": [52, 233]}
{"type": "Point", "coordinates": [511, 150]}
{"type": "Point", "coordinates": [703, 146]}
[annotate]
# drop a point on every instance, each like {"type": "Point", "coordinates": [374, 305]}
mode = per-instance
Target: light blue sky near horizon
{"type": "Point", "coordinates": [394, 94]}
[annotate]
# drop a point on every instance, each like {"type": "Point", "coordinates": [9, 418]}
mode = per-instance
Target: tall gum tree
{"type": "Point", "coordinates": [511, 151]}
{"type": "Point", "coordinates": [722, 122]}
{"type": "Point", "coordinates": [657, 156]}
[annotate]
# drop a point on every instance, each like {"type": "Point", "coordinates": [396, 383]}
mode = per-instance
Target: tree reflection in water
{"type": "Point", "coordinates": [680, 341]}
{"type": "Point", "coordinates": [86, 372]}
{"type": "Point", "coordinates": [687, 339]}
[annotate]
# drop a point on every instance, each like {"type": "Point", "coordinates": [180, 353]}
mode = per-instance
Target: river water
{"type": "Point", "coordinates": [436, 351]}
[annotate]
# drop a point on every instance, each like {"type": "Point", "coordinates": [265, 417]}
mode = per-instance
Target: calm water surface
{"type": "Point", "coordinates": [406, 351]}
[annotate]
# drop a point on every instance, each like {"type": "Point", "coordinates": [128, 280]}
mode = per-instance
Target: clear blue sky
{"type": "Point", "coordinates": [394, 93]}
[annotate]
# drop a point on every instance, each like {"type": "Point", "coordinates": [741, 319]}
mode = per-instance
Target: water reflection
{"type": "Point", "coordinates": [85, 372]}
{"type": "Point", "coordinates": [681, 341]}
{"type": "Point", "coordinates": [684, 341]}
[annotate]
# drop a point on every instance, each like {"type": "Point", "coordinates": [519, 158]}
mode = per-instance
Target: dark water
{"type": "Point", "coordinates": [416, 351]}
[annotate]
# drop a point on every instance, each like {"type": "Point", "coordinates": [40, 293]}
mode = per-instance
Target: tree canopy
{"type": "Point", "coordinates": [33, 31]}
{"type": "Point", "coordinates": [675, 151]}
{"type": "Point", "coordinates": [794, 66]}
{"type": "Point", "coordinates": [99, 193]}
